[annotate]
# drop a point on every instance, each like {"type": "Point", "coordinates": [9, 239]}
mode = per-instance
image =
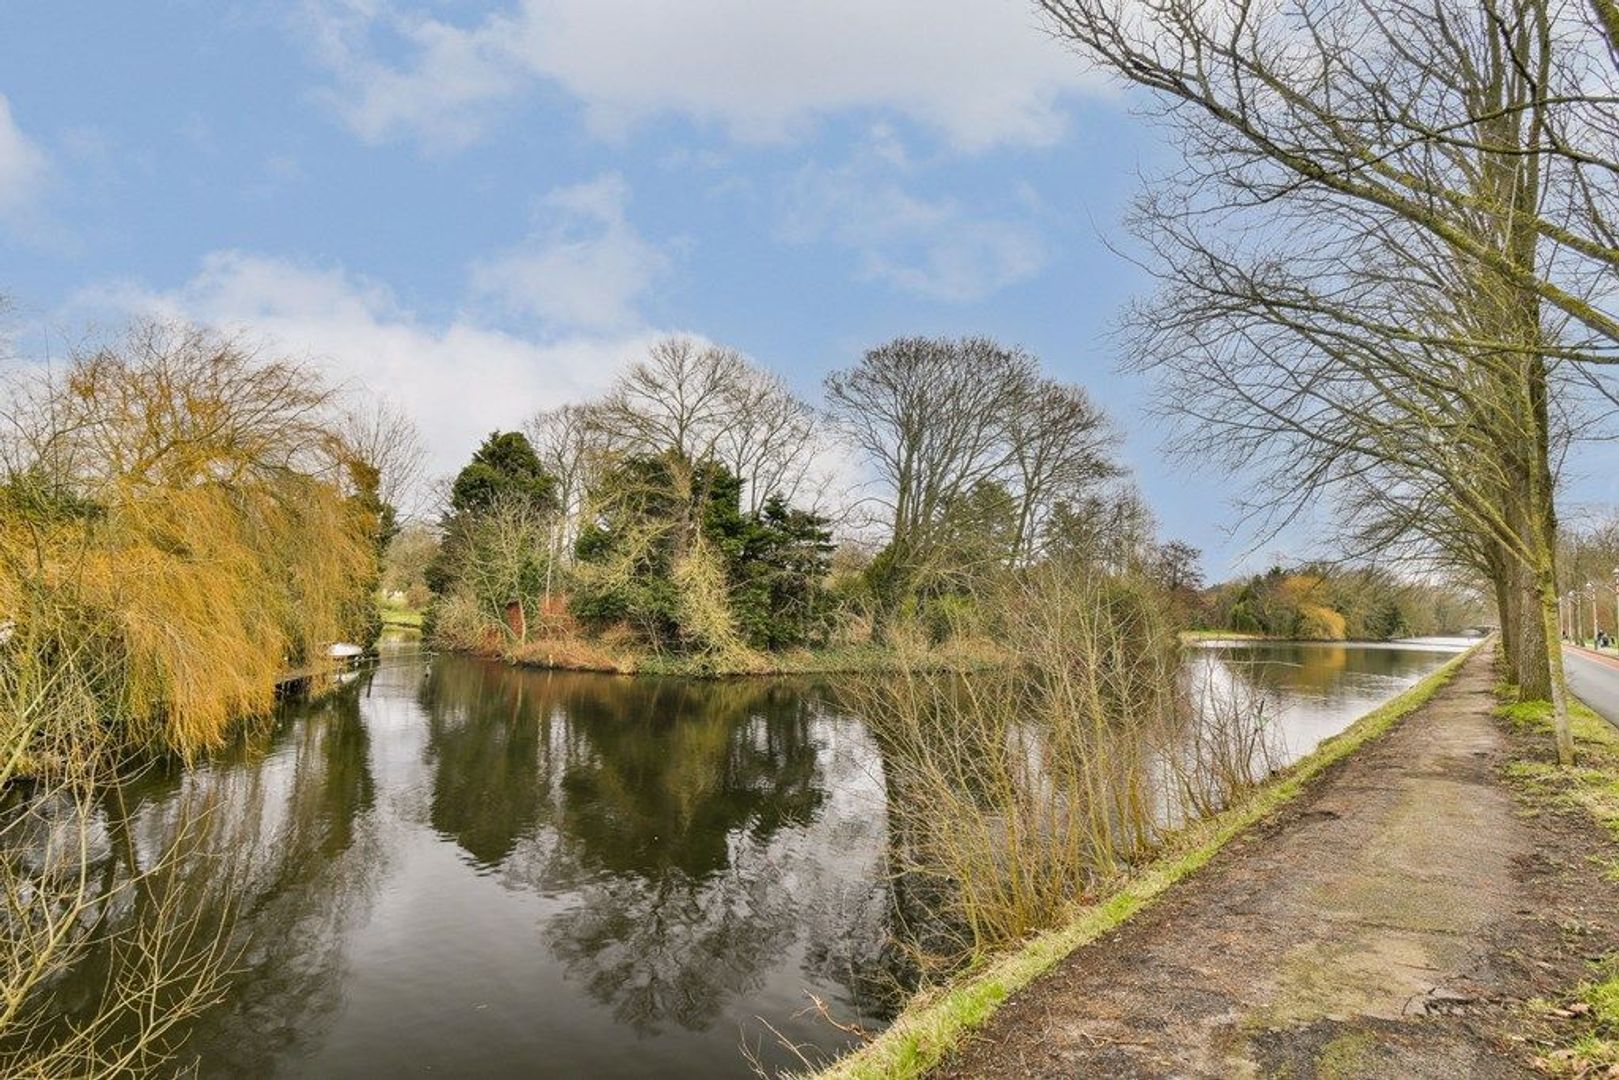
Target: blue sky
{"type": "Point", "coordinates": [480, 209]}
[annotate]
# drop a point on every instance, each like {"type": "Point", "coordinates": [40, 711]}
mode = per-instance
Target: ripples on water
{"type": "Point", "coordinates": [462, 868]}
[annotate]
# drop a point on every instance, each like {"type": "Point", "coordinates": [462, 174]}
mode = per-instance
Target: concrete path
{"type": "Point", "coordinates": [1348, 938]}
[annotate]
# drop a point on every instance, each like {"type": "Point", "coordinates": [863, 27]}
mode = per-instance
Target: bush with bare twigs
{"type": "Point", "coordinates": [1016, 792]}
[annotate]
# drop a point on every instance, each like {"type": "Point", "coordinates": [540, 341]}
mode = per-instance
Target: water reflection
{"type": "Point", "coordinates": [637, 776]}
{"type": "Point", "coordinates": [1312, 690]}
{"type": "Point", "coordinates": [460, 867]}
{"type": "Point", "coordinates": [657, 802]}
{"type": "Point", "coordinates": [673, 862]}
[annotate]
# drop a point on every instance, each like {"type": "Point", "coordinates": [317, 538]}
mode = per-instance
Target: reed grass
{"type": "Point", "coordinates": [1013, 790]}
{"type": "Point", "coordinates": [941, 1016]}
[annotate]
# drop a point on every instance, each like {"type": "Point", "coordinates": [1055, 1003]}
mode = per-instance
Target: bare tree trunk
{"type": "Point", "coordinates": [1559, 693]}
{"type": "Point", "coordinates": [1507, 598]}
{"type": "Point", "coordinates": [1532, 672]}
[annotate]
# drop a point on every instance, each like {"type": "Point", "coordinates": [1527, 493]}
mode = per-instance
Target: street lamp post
{"type": "Point", "coordinates": [1616, 602]}
{"type": "Point", "coordinates": [1591, 590]}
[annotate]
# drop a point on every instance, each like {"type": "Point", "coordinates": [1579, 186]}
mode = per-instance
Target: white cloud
{"type": "Point", "coordinates": [23, 166]}
{"type": "Point", "coordinates": [936, 248]}
{"type": "Point", "coordinates": [442, 97]}
{"type": "Point", "coordinates": [459, 381]}
{"type": "Point", "coordinates": [979, 72]}
{"type": "Point", "coordinates": [585, 265]}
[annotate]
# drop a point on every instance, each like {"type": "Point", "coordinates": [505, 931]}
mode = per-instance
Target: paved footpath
{"type": "Point", "coordinates": [1366, 932]}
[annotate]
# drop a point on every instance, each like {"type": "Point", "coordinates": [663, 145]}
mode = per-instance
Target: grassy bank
{"type": "Point", "coordinates": [1191, 636]}
{"type": "Point", "coordinates": [619, 657]}
{"type": "Point", "coordinates": [937, 1021]}
{"type": "Point", "coordinates": [1592, 787]}
{"type": "Point", "coordinates": [840, 660]}
{"type": "Point", "coordinates": [400, 615]}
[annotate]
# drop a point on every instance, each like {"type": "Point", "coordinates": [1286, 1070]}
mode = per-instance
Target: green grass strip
{"type": "Point", "coordinates": [935, 1024]}
{"type": "Point", "coordinates": [409, 618]}
{"type": "Point", "coordinates": [1590, 785]}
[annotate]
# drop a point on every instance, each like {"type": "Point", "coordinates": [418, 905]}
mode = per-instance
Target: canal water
{"type": "Point", "coordinates": [457, 868]}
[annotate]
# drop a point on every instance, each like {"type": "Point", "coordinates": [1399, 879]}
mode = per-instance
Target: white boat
{"type": "Point", "coordinates": [342, 650]}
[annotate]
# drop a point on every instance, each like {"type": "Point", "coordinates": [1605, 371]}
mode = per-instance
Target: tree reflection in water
{"type": "Point", "coordinates": [660, 806]}
{"type": "Point", "coordinates": [288, 807]}
{"type": "Point", "coordinates": [314, 880]}
{"type": "Point", "coordinates": [692, 857]}
{"type": "Point", "coordinates": [464, 866]}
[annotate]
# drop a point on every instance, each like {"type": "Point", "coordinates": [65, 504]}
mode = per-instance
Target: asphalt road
{"type": "Point", "coordinates": [1595, 682]}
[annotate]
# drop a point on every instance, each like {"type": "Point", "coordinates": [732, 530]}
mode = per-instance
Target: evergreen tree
{"type": "Point", "coordinates": [779, 578]}
{"type": "Point", "coordinates": [653, 510]}
{"type": "Point", "coordinates": [501, 494]}
{"type": "Point", "coordinates": [504, 467]}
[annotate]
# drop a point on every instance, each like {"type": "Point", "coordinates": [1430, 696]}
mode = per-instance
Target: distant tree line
{"type": "Point", "coordinates": [1588, 565]}
{"type": "Point", "coordinates": [688, 510]}
{"type": "Point", "coordinates": [1319, 602]}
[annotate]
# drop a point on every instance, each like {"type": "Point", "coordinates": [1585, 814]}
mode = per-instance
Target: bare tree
{"type": "Point", "coordinates": [708, 403]}
{"type": "Point", "coordinates": [769, 438]}
{"type": "Point", "coordinates": [570, 446]}
{"type": "Point", "coordinates": [680, 399]}
{"type": "Point", "coordinates": [1060, 442]}
{"type": "Point", "coordinates": [1177, 565]}
{"type": "Point", "coordinates": [930, 415]}
{"type": "Point", "coordinates": [1370, 271]}
{"type": "Point", "coordinates": [1398, 105]}
{"type": "Point", "coordinates": [383, 436]}
{"type": "Point", "coordinates": [1111, 528]}
{"type": "Point", "coordinates": [958, 428]}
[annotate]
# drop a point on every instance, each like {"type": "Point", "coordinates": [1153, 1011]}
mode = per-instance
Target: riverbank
{"type": "Point", "coordinates": [400, 615]}
{"type": "Point", "coordinates": [614, 654]}
{"type": "Point", "coordinates": [615, 657]}
{"type": "Point", "coordinates": [958, 656]}
{"type": "Point", "coordinates": [1212, 637]}
{"type": "Point", "coordinates": [1438, 904]}
{"type": "Point", "coordinates": [937, 1025]}
{"type": "Point", "coordinates": [1191, 637]}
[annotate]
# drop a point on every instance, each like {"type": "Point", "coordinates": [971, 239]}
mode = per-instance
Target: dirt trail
{"type": "Point", "coordinates": [1390, 923]}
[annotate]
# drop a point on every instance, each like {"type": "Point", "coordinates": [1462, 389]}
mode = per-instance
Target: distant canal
{"type": "Point", "coordinates": [460, 869]}
{"type": "Point", "coordinates": [1315, 690]}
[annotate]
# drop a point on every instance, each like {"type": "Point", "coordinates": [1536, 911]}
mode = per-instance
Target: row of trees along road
{"type": "Point", "coordinates": [685, 504]}
{"type": "Point", "coordinates": [1386, 258]}
{"type": "Point", "coordinates": [1588, 562]}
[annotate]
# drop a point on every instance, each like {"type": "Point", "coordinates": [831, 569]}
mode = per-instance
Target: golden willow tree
{"type": "Point", "coordinates": [181, 522]}
{"type": "Point", "coordinates": [185, 516]}
{"type": "Point", "coordinates": [1384, 262]}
